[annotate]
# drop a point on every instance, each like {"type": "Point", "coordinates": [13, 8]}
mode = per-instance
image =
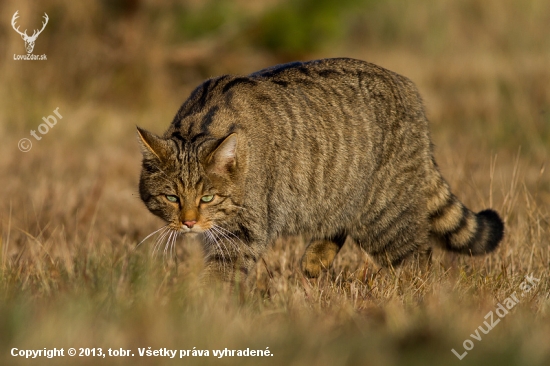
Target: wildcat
{"type": "Point", "coordinates": [331, 149]}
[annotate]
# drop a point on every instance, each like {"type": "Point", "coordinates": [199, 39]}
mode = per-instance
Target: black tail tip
{"type": "Point", "coordinates": [495, 226]}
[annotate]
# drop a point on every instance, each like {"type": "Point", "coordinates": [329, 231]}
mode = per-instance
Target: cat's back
{"type": "Point", "coordinates": [327, 86]}
{"type": "Point", "coordinates": [332, 70]}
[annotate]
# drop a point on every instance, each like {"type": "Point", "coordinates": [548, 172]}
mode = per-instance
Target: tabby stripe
{"type": "Point", "coordinates": [327, 73]}
{"type": "Point", "coordinates": [218, 81]}
{"type": "Point", "coordinates": [177, 143]}
{"type": "Point", "coordinates": [202, 99]}
{"type": "Point", "coordinates": [450, 219]}
{"type": "Point", "coordinates": [246, 234]}
{"type": "Point", "coordinates": [250, 257]}
{"type": "Point", "coordinates": [387, 231]}
{"type": "Point", "coordinates": [207, 119]}
{"type": "Point", "coordinates": [187, 108]}
{"type": "Point", "coordinates": [237, 81]}
{"type": "Point", "coordinates": [438, 194]}
{"type": "Point", "coordinates": [282, 83]}
{"type": "Point", "coordinates": [210, 87]}
{"type": "Point", "coordinates": [305, 82]}
{"type": "Point", "coordinates": [386, 235]}
{"type": "Point", "coordinates": [444, 208]}
{"type": "Point", "coordinates": [466, 231]}
{"type": "Point", "coordinates": [303, 70]}
{"type": "Point", "coordinates": [195, 104]}
{"type": "Point", "coordinates": [221, 258]}
{"type": "Point", "coordinates": [275, 70]}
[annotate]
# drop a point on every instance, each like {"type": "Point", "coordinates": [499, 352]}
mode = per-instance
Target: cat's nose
{"type": "Point", "coordinates": [189, 224]}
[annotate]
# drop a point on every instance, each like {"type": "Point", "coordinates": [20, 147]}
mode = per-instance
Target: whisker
{"type": "Point", "coordinates": [168, 244]}
{"type": "Point", "coordinates": [232, 237]}
{"type": "Point", "coordinates": [153, 233]}
{"type": "Point", "coordinates": [239, 247]}
{"type": "Point", "coordinates": [216, 240]}
{"type": "Point", "coordinates": [234, 245]}
{"type": "Point", "coordinates": [208, 236]}
{"type": "Point", "coordinates": [173, 252]}
{"type": "Point", "coordinates": [228, 232]}
{"type": "Point", "coordinates": [160, 240]}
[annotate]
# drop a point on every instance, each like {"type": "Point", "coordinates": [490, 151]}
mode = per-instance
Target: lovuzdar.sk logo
{"type": "Point", "coordinates": [29, 40]}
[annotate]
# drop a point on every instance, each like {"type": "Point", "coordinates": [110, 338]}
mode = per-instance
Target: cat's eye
{"type": "Point", "coordinates": [171, 198]}
{"type": "Point", "coordinates": [207, 198]}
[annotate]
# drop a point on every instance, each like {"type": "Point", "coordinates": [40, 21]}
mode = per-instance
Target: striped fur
{"type": "Point", "coordinates": [331, 149]}
{"type": "Point", "coordinates": [456, 227]}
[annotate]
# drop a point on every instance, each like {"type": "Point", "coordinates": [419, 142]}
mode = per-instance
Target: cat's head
{"type": "Point", "coordinates": [192, 186]}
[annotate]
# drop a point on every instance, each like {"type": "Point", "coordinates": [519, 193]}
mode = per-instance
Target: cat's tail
{"type": "Point", "coordinates": [457, 228]}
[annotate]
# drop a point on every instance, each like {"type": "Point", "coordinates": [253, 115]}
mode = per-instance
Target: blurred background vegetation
{"type": "Point", "coordinates": [481, 64]}
{"type": "Point", "coordinates": [70, 215]}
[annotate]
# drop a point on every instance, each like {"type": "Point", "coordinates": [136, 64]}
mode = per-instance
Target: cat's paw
{"type": "Point", "coordinates": [318, 256]}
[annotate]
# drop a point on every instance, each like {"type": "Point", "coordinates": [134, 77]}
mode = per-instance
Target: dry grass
{"type": "Point", "coordinates": [70, 216]}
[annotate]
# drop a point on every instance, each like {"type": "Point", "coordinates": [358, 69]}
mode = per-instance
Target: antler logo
{"type": "Point", "coordinates": [29, 41]}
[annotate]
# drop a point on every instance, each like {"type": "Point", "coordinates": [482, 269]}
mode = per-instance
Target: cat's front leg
{"type": "Point", "coordinates": [229, 264]}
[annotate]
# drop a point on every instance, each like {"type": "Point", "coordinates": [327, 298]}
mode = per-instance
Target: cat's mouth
{"type": "Point", "coordinates": [196, 229]}
{"type": "Point", "coordinates": [190, 227]}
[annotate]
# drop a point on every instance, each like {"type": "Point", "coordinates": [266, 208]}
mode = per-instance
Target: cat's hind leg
{"type": "Point", "coordinates": [392, 239]}
{"type": "Point", "coordinates": [320, 254]}
{"type": "Point", "coordinates": [422, 257]}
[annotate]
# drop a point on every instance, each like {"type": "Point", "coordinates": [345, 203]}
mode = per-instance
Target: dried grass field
{"type": "Point", "coordinates": [70, 215]}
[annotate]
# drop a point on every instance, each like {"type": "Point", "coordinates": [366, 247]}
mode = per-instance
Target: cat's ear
{"type": "Point", "coordinates": [152, 146]}
{"type": "Point", "coordinates": [224, 158]}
